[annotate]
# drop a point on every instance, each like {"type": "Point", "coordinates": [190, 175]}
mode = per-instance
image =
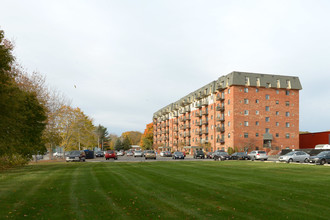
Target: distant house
{"type": "Point", "coordinates": [309, 140]}
{"type": "Point", "coordinates": [135, 147]}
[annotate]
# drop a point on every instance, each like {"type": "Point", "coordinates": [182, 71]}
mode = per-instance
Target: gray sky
{"type": "Point", "coordinates": [130, 58]}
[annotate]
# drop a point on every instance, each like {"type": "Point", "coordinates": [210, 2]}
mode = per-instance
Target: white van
{"type": "Point", "coordinates": [322, 146]}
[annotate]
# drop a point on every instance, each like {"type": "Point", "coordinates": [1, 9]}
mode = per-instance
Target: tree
{"type": "Point", "coordinates": [22, 117]}
{"type": "Point", "coordinates": [101, 133]}
{"type": "Point", "coordinates": [76, 129]}
{"type": "Point", "coordinates": [147, 138]}
{"type": "Point", "coordinates": [118, 145]}
{"type": "Point", "coordinates": [126, 143]}
{"type": "Point", "coordinates": [134, 136]}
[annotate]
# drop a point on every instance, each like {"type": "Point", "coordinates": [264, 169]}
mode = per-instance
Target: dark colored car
{"type": "Point", "coordinates": [199, 154]}
{"type": "Point", "coordinates": [221, 156]}
{"type": "Point", "coordinates": [111, 154]}
{"type": "Point", "coordinates": [89, 154]}
{"type": "Point", "coordinates": [99, 154]}
{"type": "Point", "coordinates": [167, 154]}
{"type": "Point", "coordinates": [322, 158]}
{"type": "Point", "coordinates": [209, 155]}
{"type": "Point", "coordinates": [239, 156]}
{"type": "Point", "coordinates": [177, 155]}
{"type": "Point", "coordinates": [76, 155]}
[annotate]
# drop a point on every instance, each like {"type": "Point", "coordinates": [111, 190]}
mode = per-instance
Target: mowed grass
{"type": "Point", "coordinates": [166, 190]}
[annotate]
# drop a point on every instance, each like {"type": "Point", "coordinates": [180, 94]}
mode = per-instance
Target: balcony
{"type": "Point", "coordinates": [220, 98]}
{"type": "Point", "coordinates": [176, 121]}
{"type": "Point", "coordinates": [205, 132]}
{"type": "Point", "coordinates": [220, 108]}
{"type": "Point", "coordinates": [200, 132]}
{"type": "Point", "coordinates": [205, 122]}
{"type": "Point", "coordinates": [220, 129]}
{"type": "Point", "coordinates": [199, 105]}
{"type": "Point", "coordinates": [199, 124]}
{"type": "Point", "coordinates": [186, 127]}
{"type": "Point", "coordinates": [186, 135]}
{"type": "Point", "coordinates": [175, 129]}
{"type": "Point", "coordinates": [187, 109]}
{"type": "Point", "coordinates": [175, 143]}
{"type": "Point", "coordinates": [205, 103]}
{"type": "Point", "coordinates": [222, 119]}
{"type": "Point", "coordinates": [220, 140]}
{"type": "Point", "coordinates": [220, 87]}
{"type": "Point", "coordinates": [198, 114]}
{"type": "Point", "coordinates": [205, 112]}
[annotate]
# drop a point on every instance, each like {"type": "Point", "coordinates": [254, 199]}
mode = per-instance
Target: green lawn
{"type": "Point", "coordinates": [166, 190]}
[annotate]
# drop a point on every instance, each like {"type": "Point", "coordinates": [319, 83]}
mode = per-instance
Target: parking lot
{"type": "Point", "coordinates": [159, 158]}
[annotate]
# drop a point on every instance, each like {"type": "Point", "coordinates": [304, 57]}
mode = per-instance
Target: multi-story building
{"type": "Point", "coordinates": [239, 110]}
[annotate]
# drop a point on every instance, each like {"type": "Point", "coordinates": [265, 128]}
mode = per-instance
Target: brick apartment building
{"type": "Point", "coordinates": [239, 110]}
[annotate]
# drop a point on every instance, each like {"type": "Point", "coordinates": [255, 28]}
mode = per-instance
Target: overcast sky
{"type": "Point", "coordinates": [129, 58]}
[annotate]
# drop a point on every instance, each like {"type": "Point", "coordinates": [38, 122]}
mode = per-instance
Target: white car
{"type": "Point", "coordinates": [57, 154]}
{"type": "Point", "coordinates": [138, 153]}
{"type": "Point", "coordinates": [295, 156]}
{"type": "Point", "coordinates": [258, 155]}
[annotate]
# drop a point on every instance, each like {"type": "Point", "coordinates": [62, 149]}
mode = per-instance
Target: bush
{"type": "Point", "coordinates": [11, 161]}
{"type": "Point", "coordinates": [230, 150]}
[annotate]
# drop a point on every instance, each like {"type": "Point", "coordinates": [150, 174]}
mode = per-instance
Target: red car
{"type": "Point", "coordinates": [111, 154]}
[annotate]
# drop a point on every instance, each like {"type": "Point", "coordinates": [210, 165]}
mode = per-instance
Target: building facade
{"type": "Point", "coordinates": [239, 110]}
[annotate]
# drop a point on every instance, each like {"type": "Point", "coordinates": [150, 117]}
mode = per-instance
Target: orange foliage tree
{"type": "Point", "coordinates": [147, 137]}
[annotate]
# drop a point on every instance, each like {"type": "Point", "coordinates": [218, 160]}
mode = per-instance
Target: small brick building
{"type": "Point", "coordinates": [309, 140]}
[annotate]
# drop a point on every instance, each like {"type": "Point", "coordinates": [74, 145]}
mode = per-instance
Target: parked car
{"type": "Point", "coordinates": [138, 153]}
{"type": "Point", "coordinates": [322, 158]}
{"type": "Point", "coordinates": [199, 154]}
{"type": "Point", "coordinates": [167, 154]}
{"type": "Point", "coordinates": [150, 154]}
{"type": "Point", "coordinates": [121, 153]}
{"type": "Point", "coordinates": [99, 154]}
{"type": "Point", "coordinates": [129, 153]}
{"type": "Point", "coordinates": [177, 155]}
{"type": "Point", "coordinates": [57, 154]}
{"type": "Point", "coordinates": [111, 154]}
{"type": "Point", "coordinates": [220, 155]}
{"type": "Point", "coordinates": [239, 156]}
{"type": "Point", "coordinates": [76, 155]}
{"type": "Point", "coordinates": [209, 155]}
{"type": "Point", "coordinates": [295, 156]}
{"type": "Point", "coordinates": [162, 154]}
{"type": "Point", "coordinates": [258, 155]}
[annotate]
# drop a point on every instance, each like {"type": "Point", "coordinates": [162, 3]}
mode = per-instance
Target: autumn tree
{"type": "Point", "coordinates": [126, 143]}
{"type": "Point", "coordinates": [76, 129]}
{"type": "Point", "coordinates": [134, 136]}
{"type": "Point", "coordinates": [147, 138]}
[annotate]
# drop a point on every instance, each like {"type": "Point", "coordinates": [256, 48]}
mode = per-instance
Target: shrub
{"type": "Point", "coordinates": [11, 161]}
{"type": "Point", "coordinates": [230, 150]}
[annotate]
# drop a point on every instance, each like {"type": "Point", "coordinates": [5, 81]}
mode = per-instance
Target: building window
{"type": "Point", "coordinates": [288, 84]}
{"type": "Point", "coordinates": [267, 97]}
{"type": "Point", "coordinates": [277, 135]}
{"type": "Point", "coordinates": [269, 85]}
{"type": "Point", "coordinates": [257, 112]}
{"type": "Point", "coordinates": [277, 102]}
{"type": "Point", "coordinates": [228, 101]}
{"type": "Point", "coordinates": [228, 123]}
{"type": "Point", "coordinates": [246, 135]}
{"type": "Point", "coordinates": [228, 91]}
{"type": "Point", "coordinates": [228, 135]}
{"type": "Point", "coordinates": [247, 81]}
{"type": "Point", "coordinates": [277, 91]}
{"type": "Point", "coordinates": [211, 117]}
{"type": "Point", "coordinates": [257, 90]}
{"type": "Point", "coordinates": [267, 119]}
{"type": "Point", "coordinates": [267, 108]}
{"type": "Point", "coordinates": [257, 134]}
{"type": "Point", "coordinates": [287, 92]}
{"type": "Point", "coordinates": [211, 107]}
{"type": "Point", "coordinates": [211, 137]}
{"type": "Point", "coordinates": [228, 112]}
{"type": "Point", "coordinates": [246, 90]}
{"type": "Point", "coordinates": [287, 103]}
{"type": "Point", "coordinates": [287, 124]}
{"type": "Point", "coordinates": [267, 130]}
{"type": "Point", "coordinates": [257, 101]}
{"type": "Point", "coordinates": [277, 124]}
{"type": "Point", "coordinates": [287, 135]}
{"type": "Point", "coordinates": [246, 123]}
{"type": "Point", "coordinates": [246, 101]}
{"type": "Point", "coordinates": [246, 112]}
{"type": "Point", "coordinates": [258, 81]}
{"type": "Point", "coordinates": [287, 114]}
{"type": "Point", "coordinates": [277, 112]}
{"type": "Point", "coordinates": [257, 123]}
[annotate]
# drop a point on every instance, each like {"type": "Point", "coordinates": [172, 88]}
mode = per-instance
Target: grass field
{"type": "Point", "coordinates": [166, 190]}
